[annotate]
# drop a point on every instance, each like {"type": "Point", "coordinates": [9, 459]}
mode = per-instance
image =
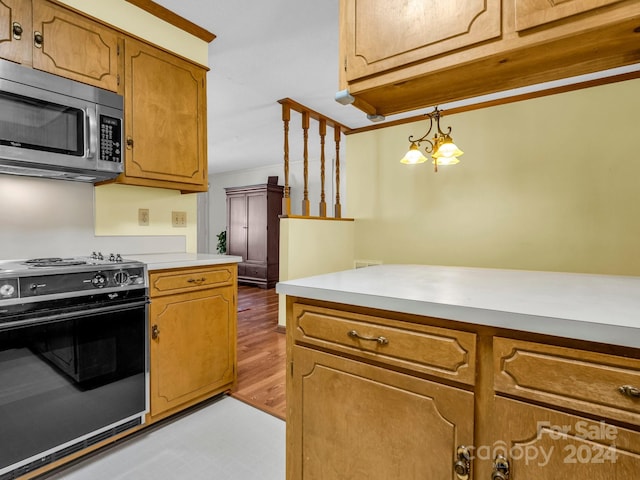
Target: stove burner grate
{"type": "Point", "coordinates": [54, 262]}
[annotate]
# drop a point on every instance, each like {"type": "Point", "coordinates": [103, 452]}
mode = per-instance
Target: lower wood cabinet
{"type": "Point", "coordinates": [192, 336]}
{"type": "Point", "coordinates": [539, 443]}
{"type": "Point", "coordinates": [350, 420]}
{"type": "Point", "coordinates": [376, 394]}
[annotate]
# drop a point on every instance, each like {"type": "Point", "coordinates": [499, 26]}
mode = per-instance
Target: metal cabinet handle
{"type": "Point", "coordinates": [629, 391]}
{"type": "Point", "coordinates": [38, 39]}
{"type": "Point", "coordinates": [155, 332]}
{"type": "Point", "coordinates": [501, 469]}
{"type": "Point", "coordinates": [196, 280]}
{"type": "Point", "coordinates": [462, 465]}
{"type": "Point", "coordinates": [381, 340]}
{"type": "Point", "coordinates": [129, 143]}
{"type": "Point", "coordinates": [17, 31]}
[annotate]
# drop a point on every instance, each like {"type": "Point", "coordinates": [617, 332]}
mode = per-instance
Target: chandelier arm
{"type": "Point", "coordinates": [437, 115]}
{"type": "Point", "coordinates": [424, 138]}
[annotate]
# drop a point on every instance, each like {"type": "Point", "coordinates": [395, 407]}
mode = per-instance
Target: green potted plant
{"type": "Point", "coordinates": [222, 242]}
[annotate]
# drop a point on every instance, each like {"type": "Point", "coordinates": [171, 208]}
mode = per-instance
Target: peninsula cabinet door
{"type": "Point", "coordinates": [165, 119]}
{"type": "Point", "coordinates": [380, 35]}
{"type": "Point", "coordinates": [540, 443]}
{"type": "Point", "coordinates": [353, 421]}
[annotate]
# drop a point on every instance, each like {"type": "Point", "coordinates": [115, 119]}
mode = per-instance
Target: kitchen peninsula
{"type": "Point", "coordinates": [402, 371]}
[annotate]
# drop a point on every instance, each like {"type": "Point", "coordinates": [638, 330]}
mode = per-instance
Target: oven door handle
{"type": "Point", "coordinates": [68, 315]}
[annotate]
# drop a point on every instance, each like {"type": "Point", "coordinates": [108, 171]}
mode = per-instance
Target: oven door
{"type": "Point", "coordinates": [70, 380]}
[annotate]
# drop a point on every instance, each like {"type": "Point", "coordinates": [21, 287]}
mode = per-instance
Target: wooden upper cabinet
{"type": "Point", "coordinates": [533, 13]}
{"type": "Point", "coordinates": [74, 47]}
{"type": "Point", "coordinates": [386, 34]}
{"type": "Point", "coordinates": [165, 120]}
{"type": "Point", "coordinates": [50, 38]}
{"type": "Point", "coordinates": [398, 56]}
{"type": "Point", "coordinates": [16, 31]}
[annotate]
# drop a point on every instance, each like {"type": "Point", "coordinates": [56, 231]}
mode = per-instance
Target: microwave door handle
{"type": "Point", "coordinates": [91, 122]}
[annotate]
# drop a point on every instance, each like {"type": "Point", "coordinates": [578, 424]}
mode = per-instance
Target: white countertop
{"type": "Point", "coordinates": [160, 261]}
{"type": "Point", "coordinates": [600, 308]}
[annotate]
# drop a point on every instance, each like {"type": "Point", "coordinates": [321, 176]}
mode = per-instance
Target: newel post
{"type": "Point", "coordinates": [286, 199]}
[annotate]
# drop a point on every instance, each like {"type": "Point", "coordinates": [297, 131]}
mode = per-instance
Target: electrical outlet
{"type": "Point", "coordinates": [179, 219]}
{"type": "Point", "coordinates": [143, 217]}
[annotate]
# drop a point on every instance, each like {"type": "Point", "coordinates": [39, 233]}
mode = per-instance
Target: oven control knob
{"type": "Point", "coordinates": [99, 280]}
{"type": "Point", "coordinates": [121, 278]}
{"type": "Point", "coordinates": [7, 290]}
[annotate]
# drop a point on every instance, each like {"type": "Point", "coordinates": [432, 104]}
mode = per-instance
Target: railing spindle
{"type": "Point", "coordinates": [322, 126]}
{"type": "Point", "coordinates": [305, 130]}
{"type": "Point", "coordinates": [338, 207]}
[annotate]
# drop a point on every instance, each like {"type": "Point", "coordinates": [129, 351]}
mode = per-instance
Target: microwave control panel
{"type": "Point", "coordinates": [110, 139]}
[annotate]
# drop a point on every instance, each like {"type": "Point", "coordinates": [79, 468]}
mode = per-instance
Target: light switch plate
{"type": "Point", "coordinates": [179, 219]}
{"type": "Point", "coordinates": [143, 217]}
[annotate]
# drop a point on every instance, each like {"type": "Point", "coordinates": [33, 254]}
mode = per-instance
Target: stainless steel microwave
{"type": "Point", "coordinates": [54, 127]}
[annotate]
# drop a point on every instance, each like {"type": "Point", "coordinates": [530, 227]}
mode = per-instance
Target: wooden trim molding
{"type": "Point", "coordinates": [503, 101]}
{"type": "Point", "coordinates": [311, 217]}
{"type": "Point", "coordinates": [174, 19]}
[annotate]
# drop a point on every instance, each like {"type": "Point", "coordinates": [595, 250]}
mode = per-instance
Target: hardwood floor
{"type": "Point", "coordinates": [261, 351]}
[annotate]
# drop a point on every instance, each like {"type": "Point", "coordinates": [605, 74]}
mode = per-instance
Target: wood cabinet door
{"type": "Point", "coordinates": [353, 421]}
{"type": "Point", "coordinates": [541, 443]}
{"type": "Point", "coordinates": [533, 13]}
{"type": "Point", "coordinates": [16, 46]}
{"type": "Point", "coordinates": [192, 351]}
{"type": "Point", "coordinates": [379, 35]}
{"type": "Point", "coordinates": [165, 118]}
{"type": "Point", "coordinates": [74, 47]}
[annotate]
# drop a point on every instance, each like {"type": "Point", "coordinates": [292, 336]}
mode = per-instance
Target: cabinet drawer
{"type": "Point", "coordinates": [432, 350]}
{"type": "Point", "coordinates": [176, 281]}
{"type": "Point", "coordinates": [566, 377]}
{"type": "Point", "coordinates": [255, 271]}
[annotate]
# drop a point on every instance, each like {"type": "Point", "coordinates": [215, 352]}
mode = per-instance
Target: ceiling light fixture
{"type": "Point", "coordinates": [442, 149]}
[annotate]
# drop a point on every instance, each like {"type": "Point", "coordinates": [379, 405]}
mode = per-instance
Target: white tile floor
{"type": "Point", "coordinates": [226, 440]}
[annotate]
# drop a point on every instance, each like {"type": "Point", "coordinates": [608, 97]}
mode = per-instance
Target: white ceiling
{"type": "Point", "coordinates": [265, 50]}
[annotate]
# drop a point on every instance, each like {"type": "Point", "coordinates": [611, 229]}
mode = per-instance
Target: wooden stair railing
{"type": "Point", "coordinates": [323, 122]}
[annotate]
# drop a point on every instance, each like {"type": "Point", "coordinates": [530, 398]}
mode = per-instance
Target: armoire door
{"type": "Point", "coordinates": [256, 227]}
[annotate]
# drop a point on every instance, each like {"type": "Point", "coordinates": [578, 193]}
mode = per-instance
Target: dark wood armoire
{"type": "Point", "coordinates": [253, 231]}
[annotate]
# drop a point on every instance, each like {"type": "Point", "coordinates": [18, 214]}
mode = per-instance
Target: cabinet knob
{"type": "Point", "coordinates": [17, 31]}
{"type": "Point", "coordinates": [462, 465]}
{"type": "Point", "coordinates": [501, 469]}
{"type": "Point", "coordinates": [38, 39]}
{"type": "Point", "coordinates": [129, 143]}
{"type": "Point", "coordinates": [155, 332]}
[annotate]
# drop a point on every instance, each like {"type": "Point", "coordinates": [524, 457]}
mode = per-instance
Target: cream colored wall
{"type": "Point", "coordinates": [313, 247]}
{"type": "Point", "coordinates": [116, 206]}
{"type": "Point", "coordinates": [545, 184]}
{"type": "Point", "coordinates": [136, 21]}
{"type": "Point", "coordinates": [116, 212]}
